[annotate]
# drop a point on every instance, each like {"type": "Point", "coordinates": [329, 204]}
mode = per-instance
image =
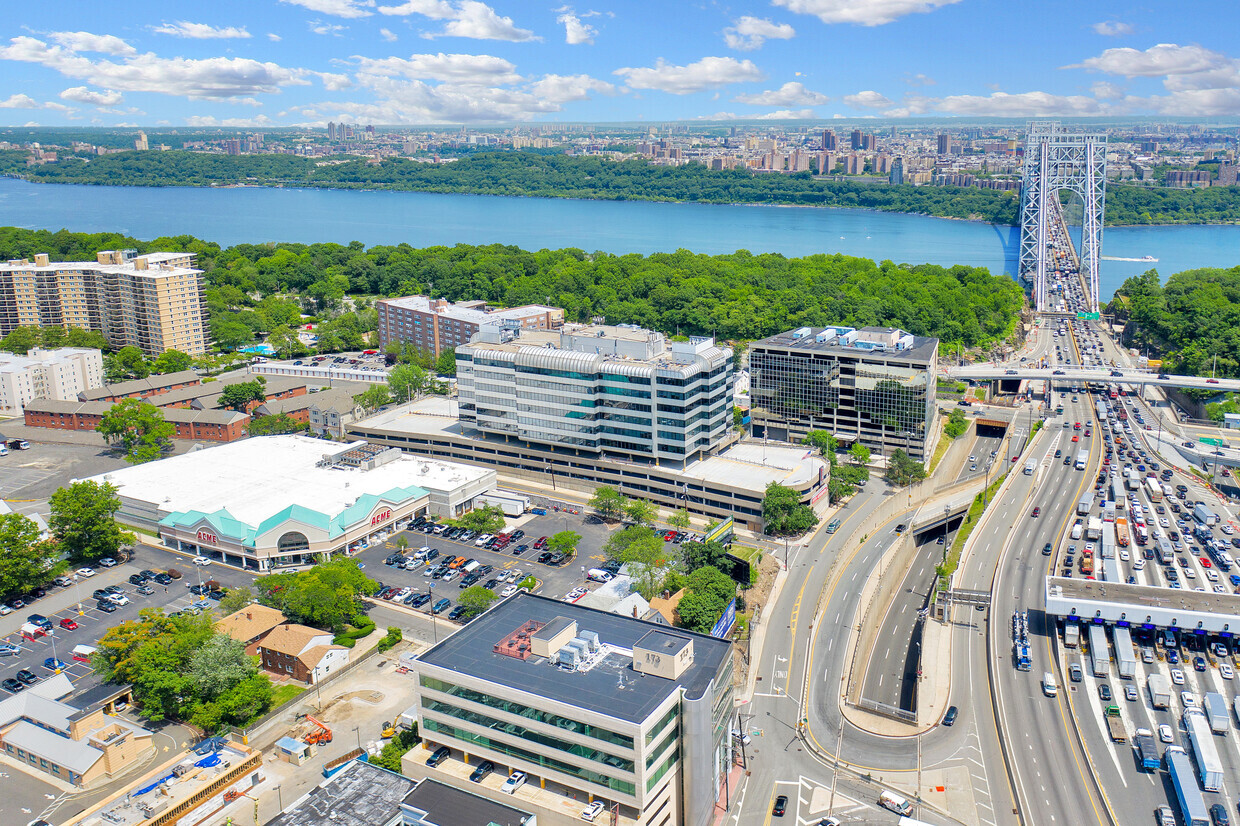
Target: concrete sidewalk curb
{"type": "Point", "coordinates": [758, 638]}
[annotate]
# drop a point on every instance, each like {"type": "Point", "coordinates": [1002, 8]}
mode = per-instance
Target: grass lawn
{"type": "Point", "coordinates": [283, 693]}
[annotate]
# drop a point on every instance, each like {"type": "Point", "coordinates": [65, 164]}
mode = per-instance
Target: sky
{"type": "Point", "coordinates": [255, 63]}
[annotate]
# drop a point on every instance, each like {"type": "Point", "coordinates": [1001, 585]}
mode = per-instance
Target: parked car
{"type": "Point", "coordinates": [69, 624]}
{"type": "Point", "coordinates": [515, 781]}
{"type": "Point", "coordinates": [441, 754]}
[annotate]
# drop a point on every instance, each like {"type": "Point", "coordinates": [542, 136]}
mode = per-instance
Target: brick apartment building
{"type": "Point", "coordinates": [436, 324]}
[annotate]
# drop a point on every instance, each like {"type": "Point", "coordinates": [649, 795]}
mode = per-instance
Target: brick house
{"type": "Point", "coordinates": [302, 653]}
{"type": "Point", "coordinates": [250, 625]}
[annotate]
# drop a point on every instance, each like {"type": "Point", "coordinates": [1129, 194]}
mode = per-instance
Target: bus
{"type": "Point", "coordinates": [1164, 551]}
{"type": "Point", "coordinates": [1112, 392]}
{"type": "Point", "coordinates": [833, 526]}
{"type": "Point", "coordinates": [1153, 489]}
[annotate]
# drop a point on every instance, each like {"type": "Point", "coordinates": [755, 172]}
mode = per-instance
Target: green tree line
{"type": "Point", "coordinates": [1192, 322]}
{"type": "Point", "coordinates": [253, 288]}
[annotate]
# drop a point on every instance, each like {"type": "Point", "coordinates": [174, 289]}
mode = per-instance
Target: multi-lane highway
{"type": "Point", "coordinates": [1089, 374]}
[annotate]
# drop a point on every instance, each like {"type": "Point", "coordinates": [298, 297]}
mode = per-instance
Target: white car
{"type": "Point", "coordinates": [589, 813]}
{"type": "Point", "coordinates": [1226, 671]}
{"type": "Point", "coordinates": [1125, 556]}
{"type": "Point", "coordinates": [86, 572]}
{"type": "Point", "coordinates": [5, 610]}
{"type": "Point", "coordinates": [509, 591]}
{"type": "Point", "coordinates": [482, 540]}
{"type": "Point", "coordinates": [515, 781]}
{"type": "Point", "coordinates": [1139, 565]}
{"type": "Point", "coordinates": [1211, 574]}
{"type": "Point", "coordinates": [108, 562]}
{"type": "Point", "coordinates": [118, 599]}
{"type": "Point", "coordinates": [1189, 699]}
{"type": "Point", "coordinates": [201, 560]}
{"type": "Point", "coordinates": [1227, 529]}
{"type": "Point", "coordinates": [1165, 734]}
{"type": "Point", "coordinates": [1177, 676]}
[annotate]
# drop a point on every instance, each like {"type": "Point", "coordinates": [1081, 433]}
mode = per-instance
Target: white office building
{"type": "Point", "coordinates": [598, 390]}
{"type": "Point", "coordinates": [47, 374]}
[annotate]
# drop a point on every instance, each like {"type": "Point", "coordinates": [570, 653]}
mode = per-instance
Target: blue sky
{"type": "Point", "coordinates": [286, 62]}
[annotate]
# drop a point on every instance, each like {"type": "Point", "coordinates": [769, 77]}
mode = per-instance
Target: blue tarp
{"type": "Point", "coordinates": [209, 761]}
{"type": "Point", "coordinates": [154, 785]}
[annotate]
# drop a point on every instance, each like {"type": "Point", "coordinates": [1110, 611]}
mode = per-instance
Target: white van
{"type": "Point", "coordinates": [1049, 686]}
{"type": "Point", "coordinates": [599, 575]}
{"type": "Point", "coordinates": [1076, 531]}
{"type": "Point", "coordinates": [897, 804]}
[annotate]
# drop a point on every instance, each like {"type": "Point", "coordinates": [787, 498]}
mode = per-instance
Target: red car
{"type": "Point", "coordinates": [540, 543]}
{"type": "Point", "coordinates": [68, 624]}
{"type": "Point", "coordinates": [1035, 513]}
{"type": "Point", "coordinates": [1205, 563]}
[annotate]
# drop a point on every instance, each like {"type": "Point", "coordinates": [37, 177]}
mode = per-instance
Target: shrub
{"type": "Point", "coordinates": [392, 637]}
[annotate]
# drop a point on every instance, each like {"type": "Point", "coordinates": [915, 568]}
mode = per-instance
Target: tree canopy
{"type": "Point", "coordinates": [26, 560]}
{"type": "Point", "coordinates": [903, 470]}
{"type": "Point", "coordinates": [139, 428]}
{"type": "Point", "coordinates": [325, 596]}
{"type": "Point", "coordinates": [82, 520]}
{"type": "Point", "coordinates": [783, 513]}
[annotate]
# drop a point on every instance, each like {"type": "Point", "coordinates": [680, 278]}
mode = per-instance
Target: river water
{"type": "Point", "coordinates": [260, 214]}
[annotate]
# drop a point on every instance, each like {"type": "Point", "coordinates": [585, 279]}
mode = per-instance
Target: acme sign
{"type": "Point", "coordinates": [205, 535]}
{"type": "Point", "coordinates": [382, 516]}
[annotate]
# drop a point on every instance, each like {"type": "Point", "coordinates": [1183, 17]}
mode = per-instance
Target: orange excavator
{"type": "Point", "coordinates": [321, 736]}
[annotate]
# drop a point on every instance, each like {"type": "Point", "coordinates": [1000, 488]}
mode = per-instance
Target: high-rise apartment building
{"type": "Point", "coordinates": [874, 385]}
{"type": "Point", "coordinates": [854, 164]}
{"type": "Point", "coordinates": [869, 143]}
{"type": "Point", "coordinates": [47, 374]}
{"type": "Point", "coordinates": [140, 142]}
{"type": "Point", "coordinates": [155, 302]}
{"type": "Point", "coordinates": [828, 141]}
{"type": "Point", "coordinates": [594, 389]}
{"type": "Point", "coordinates": [945, 144]}
{"type": "Point", "coordinates": [896, 176]}
{"type": "Point", "coordinates": [436, 324]}
{"type": "Point", "coordinates": [856, 139]}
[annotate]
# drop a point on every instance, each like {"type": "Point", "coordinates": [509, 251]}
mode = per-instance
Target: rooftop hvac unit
{"type": "Point", "coordinates": [800, 332]}
{"type": "Point", "coordinates": [591, 639]}
{"type": "Point", "coordinates": [581, 646]}
{"type": "Point", "coordinates": [569, 657]}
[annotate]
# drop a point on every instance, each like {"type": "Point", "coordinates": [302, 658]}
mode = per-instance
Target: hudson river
{"type": "Point", "coordinates": [261, 214]}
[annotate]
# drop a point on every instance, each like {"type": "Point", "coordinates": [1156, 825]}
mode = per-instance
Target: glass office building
{"type": "Point", "coordinates": [874, 385]}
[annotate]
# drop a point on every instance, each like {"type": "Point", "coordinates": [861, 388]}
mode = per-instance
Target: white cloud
{"type": "Point", "coordinates": [1163, 59]}
{"type": "Point", "coordinates": [336, 8]}
{"type": "Point", "coordinates": [748, 33]}
{"type": "Point", "coordinates": [80, 94]}
{"type": "Point", "coordinates": [1106, 91]}
{"type": "Point", "coordinates": [333, 82]}
{"type": "Point", "coordinates": [201, 31]}
{"type": "Point", "coordinates": [790, 94]}
{"type": "Point", "coordinates": [464, 69]}
{"type": "Point", "coordinates": [1197, 102]}
{"type": "Point", "coordinates": [465, 18]}
{"type": "Point", "coordinates": [920, 79]}
{"type": "Point", "coordinates": [388, 35]}
{"type": "Point", "coordinates": [319, 27]}
{"type": "Point", "coordinates": [1112, 28]}
{"type": "Point", "coordinates": [210, 78]}
{"type": "Point", "coordinates": [567, 88]}
{"type": "Point", "coordinates": [707, 73]}
{"type": "Point", "coordinates": [782, 114]}
{"type": "Point", "coordinates": [273, 37]}
{"type": "Point", "coordinates": [211, 120]}
{"type": "Point", "coordinates": [20, 101]}
{"type": "Point", "coordinates": [576, 33]}
{"type": "Point", "coordinates": [868, 100]}
{"type": "Point", "coordinates": [1003, 104]}
{"type": "Point", "coordinates": [87, 42]}
{"type": "Point", "coordinates": [861, 12]}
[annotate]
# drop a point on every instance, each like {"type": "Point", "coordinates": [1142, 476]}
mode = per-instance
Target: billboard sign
{"type": "Point", "coordinates": [724, 626]}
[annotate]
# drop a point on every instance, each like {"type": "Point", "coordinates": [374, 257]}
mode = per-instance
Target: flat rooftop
{"type": "Point", "coordinates": [358, 795]}
{"type": "Point", "coordinates": [449, 805]}
{"type": "Point", "coordinates": [1146, 596]}
{"type": "Point", "coordinates": [746, 465]}
{"type": "Point", "coordinates": [807, 339]}
{"type": "Point", "coordinates": [612, 687]}
{"type": "Point", "coordinates": [257, 478]}
{"type": "Point", "coordinates": [474, 312]}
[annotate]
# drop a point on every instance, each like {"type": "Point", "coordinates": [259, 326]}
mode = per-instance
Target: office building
{"type": "Point", "coordinates": [81, 743]}
{"type": "Point", "coordinates": [47, 374]}
{"type": "Point", "coordinates": [593, 706]}
{"type": "Point", "coordinates": [598, 390]}
{"type": "Point", "coordinates": [874, 385]}
{"type": "Point", "coordinates": [436, 324]}
{"type": "Point", "coordinates": [945, 144]}
{"type": "Point", "coordinates": [155, 302]}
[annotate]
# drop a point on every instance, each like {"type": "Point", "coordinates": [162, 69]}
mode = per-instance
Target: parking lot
{"type": "Point", "coordinates": [77, 604]}
{"type": "Point", "coordinates": [36, 473]}
{"type": "Point", "coordinates": [508, 566]}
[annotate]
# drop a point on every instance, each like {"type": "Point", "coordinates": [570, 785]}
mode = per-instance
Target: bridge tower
{"type": "Point", "coordinates": [1057, 159]}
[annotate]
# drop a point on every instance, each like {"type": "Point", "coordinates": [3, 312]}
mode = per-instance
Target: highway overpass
{"type": "Point", "coordinates": [1106, 375]}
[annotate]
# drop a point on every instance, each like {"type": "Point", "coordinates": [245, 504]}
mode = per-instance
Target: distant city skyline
{"type": "Point", "coordinates": [306, 62]}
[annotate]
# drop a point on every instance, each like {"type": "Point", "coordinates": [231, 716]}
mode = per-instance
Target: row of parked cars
{"type": "Point", "coordinates": [20, 601]}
